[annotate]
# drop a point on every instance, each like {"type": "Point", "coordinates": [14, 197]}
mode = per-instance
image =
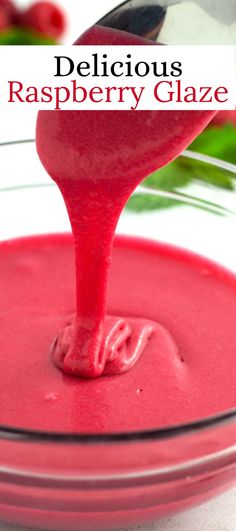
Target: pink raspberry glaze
{"type": "Point", "coordinates": [97, 159]}
{"type": "Point", "coordinates": [191, 297]}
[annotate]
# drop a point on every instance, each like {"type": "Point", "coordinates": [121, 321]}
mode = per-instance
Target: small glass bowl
{"type": "Point", "coordinates": [104, 481]}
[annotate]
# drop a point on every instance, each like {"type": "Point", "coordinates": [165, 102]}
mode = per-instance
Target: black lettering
{"type": "Point", "coordinates": [70, 65]}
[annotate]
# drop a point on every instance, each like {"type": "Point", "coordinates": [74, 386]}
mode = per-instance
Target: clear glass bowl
{"type": "Point", "coordinates": [80, 482]}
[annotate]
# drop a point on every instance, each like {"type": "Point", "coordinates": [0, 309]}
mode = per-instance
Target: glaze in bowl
{"type": "Point", "coordinates": [107, 481]}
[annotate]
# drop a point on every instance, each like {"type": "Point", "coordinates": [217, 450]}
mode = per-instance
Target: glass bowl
{"type": "Point", "coordinates": [106, 481]}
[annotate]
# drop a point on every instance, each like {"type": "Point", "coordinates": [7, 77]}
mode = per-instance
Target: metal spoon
{"type": "Point", "coordinates": [139, 17]}
{"type": "Point", "coordinates": [176, 21]}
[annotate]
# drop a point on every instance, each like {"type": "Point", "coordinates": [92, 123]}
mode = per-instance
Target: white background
{"type": "Point", "coordinates": [220, 514]}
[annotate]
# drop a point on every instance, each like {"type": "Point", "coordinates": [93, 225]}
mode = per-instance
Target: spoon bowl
{"type": "Point", "coordinates": [176, 21]}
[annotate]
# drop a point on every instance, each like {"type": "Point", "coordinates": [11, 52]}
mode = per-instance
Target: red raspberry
{"type": "Point", "coordinates": [46, 18]}
{"type": "Point", "coordinates": [223, 117]}
{"type": "Point", "coordinates": [10, 10]}
{"type": "Point", "coordinates": [4, 19]}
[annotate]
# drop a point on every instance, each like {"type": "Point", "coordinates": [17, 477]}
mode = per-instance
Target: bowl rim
{"type": "Point", "coordinates": [159, 434]}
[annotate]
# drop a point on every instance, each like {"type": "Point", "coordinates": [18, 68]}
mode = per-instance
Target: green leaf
{"type": "Point", "coordinates": [141, 203]}
{"type": "Point", "coordinates": [219, 142]}
{"type": "Point", "coordinates": [200, 171]}
{"type": "Point", "coordinates": [170, 177]}
{"type": "Point", "coordinates": [21, 36]}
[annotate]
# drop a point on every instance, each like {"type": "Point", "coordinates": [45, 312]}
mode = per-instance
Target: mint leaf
{"type": "Point", "coordinates": [219, 142]}
{"type": "Point", "coordinates": [200, 171]}
{"type": "Point", "coordinates": [142, 202]}
{"type": "Point", "coordinates": [21, 36]}
{"type": "Point", "coordinates": [173, 176]}
{"type": "Point", "coordinates": [168, 178]}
